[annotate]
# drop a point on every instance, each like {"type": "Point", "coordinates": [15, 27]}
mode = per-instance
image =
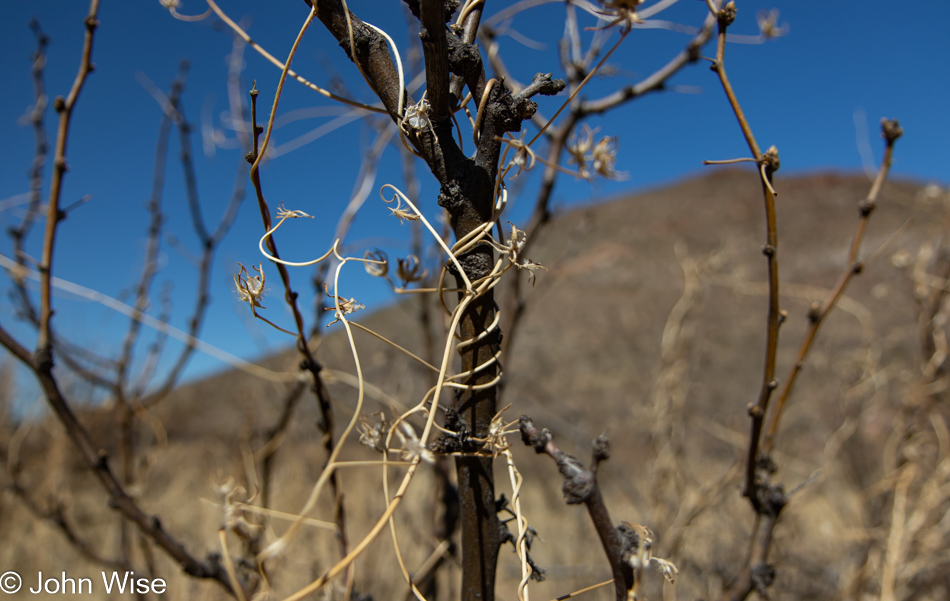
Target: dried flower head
{"type": "Point", "coordinates": [412, 447]}
{"type": "Point", "coordinates": [638, 552]}
{"type": "Point", "coordinates": [416, 117]}
{"type": "Point", "coordinates": [234, 519]}
{"type": "Point", "coordinates": [603, 157]}
{"type": "Point", "coordinates": [400, 212]}
{"type": "Point", "coordinates": [524, 158]}
{"type": "Point", "coordinates": [250, 288]}
{"type": "Point", "coordinates": [373, 434]}
{"type": "Point", "coordinates": [347, 306]}
{"type": "Point", "coordinates": [377, 263]}
{"type": "Point", "coordinates": [410, 270]}
{"type": "Point", "coordinates": [619, 12]}
{"type": "Point", "coordinates": [496, 442]}
{"type": "Point", "coordinates": [666, 567]}
{"type": "Point", "coordinates": [768, 24]}
{"type": "Point", "coordinates": [284, 213]}
{"type": "Point", "coordinates": [532, 269]}
{"type": "Point", "coordinates": [593, 158]}
{"type": "Point", "coordinates": [516, 244]}
{"type": "Point", "coordinates": [579, 146]}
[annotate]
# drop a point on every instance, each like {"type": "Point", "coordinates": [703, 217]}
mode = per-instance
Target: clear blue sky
{"type": "Point", "coordinates": [800, 92]}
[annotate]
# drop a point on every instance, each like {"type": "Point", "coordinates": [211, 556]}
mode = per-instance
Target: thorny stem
{"type": "Point", "coordinates": [64, 107]}
{"type": "Point", "coordinates": [816, 315]}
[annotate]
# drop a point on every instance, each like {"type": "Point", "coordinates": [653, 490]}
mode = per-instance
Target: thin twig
{"type": "Point", "coordinates": [310, 363]}
{"type": "Point", "coordinates": [725, 17]}
{"type": "Point", "coordinates": [98, 463]}
{"type": "Point", "coordinates": [260, 50]}
{"type": "Point", "coordinates": [64, 107]}
{"type": "Point", "coordinates": [19, 233]}
{"type": "Point", "coordinates": [891, 131]}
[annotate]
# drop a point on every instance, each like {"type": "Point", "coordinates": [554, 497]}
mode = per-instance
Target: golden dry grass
{"type": "Point", "coordinates": [868, 447]}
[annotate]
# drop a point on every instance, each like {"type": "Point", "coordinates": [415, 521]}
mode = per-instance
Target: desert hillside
{"type": "Point", "coordinates": [648, 325]}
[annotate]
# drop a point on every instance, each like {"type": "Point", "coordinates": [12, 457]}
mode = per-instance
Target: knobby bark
{"type": "Point", "coordinates": [468, 190]}
{"type": "Point", "coordinates": [580, 486]}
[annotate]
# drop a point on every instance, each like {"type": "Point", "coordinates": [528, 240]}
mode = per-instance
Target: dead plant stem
{"type": "Point", "coordinates": [64, 107]}
{"type": "Point", "coordinates": [818, 313]}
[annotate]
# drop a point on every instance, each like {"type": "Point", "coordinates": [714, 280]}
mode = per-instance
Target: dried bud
{"type": "Point", "coordinates": [891, 130]}
{"type": "Point", "coordinates": [814, 312]}
{"type": "Point", "coordinates": [770, 159]}
{"type": "Point", "coordinates": [727, 14]}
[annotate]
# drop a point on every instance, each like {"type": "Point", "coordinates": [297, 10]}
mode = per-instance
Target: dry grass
{"type": "Point", "coordinates": [869, 448]}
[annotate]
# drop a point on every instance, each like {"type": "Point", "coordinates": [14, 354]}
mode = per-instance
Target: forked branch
{"type": "Point", "coordinates": [580, 486]}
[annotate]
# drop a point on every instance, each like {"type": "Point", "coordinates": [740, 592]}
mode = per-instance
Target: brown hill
{"type": "Point", "coordinates": [649, 325]}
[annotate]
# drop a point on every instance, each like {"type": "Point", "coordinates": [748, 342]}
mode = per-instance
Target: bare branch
{"type": "Point", "coordinates": [580, 486]}
{"type": "Point", "coordinates": [64, 107]}
{"type": "Point", "coordinates": [891, 131]}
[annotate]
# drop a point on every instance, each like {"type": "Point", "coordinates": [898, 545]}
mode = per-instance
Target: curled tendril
{"type": "Point", "coordinates": [400, 212]}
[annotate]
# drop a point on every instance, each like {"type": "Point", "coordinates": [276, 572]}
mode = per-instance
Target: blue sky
{"type": "Point", "coordinates": [842, 65]}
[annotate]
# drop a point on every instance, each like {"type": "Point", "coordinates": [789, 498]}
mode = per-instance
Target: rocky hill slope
{"type": "Point", "coordinates": [650, 325]}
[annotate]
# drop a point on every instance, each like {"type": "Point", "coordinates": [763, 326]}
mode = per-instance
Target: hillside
{"type": "Point", "coordinates": [649, 326]}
